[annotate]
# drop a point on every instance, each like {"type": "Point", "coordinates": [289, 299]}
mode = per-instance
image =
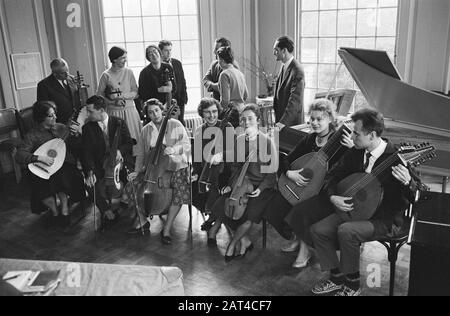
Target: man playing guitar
{"type": "Point", "coordinates": [330, 229]}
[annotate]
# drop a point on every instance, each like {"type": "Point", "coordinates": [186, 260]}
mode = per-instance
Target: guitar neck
{"type": "Point", "coordinates": [334, 143]}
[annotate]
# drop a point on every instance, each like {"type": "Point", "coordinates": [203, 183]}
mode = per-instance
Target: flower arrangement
{"type": "Point", "coordinates": [258, 70]}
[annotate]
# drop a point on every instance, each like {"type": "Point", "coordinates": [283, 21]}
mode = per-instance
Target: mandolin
{"type": "Point", "coordinates": [366, 189]}
{"type": "Point", "coordinates": [210, 173]}
{"type": "Point", "coordinates": [315, 167]}
{"type": "Point", "coordinates": [236, 204]}
{"type": "Point", "coordinates": [56, 148]}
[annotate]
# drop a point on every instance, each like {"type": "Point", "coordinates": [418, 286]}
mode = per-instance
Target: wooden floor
{"type": "Point", "coordinates": [260, 273]}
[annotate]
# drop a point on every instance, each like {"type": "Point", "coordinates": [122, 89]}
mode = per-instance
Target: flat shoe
{"type": "Point", "coordinates": [166, 240]}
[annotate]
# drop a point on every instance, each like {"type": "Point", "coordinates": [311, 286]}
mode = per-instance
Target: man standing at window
{"type": "Point", "coordinates": [290, 86]}
{"type": "Point", "coordinates": [60, 88]}
{"type": "Point", "coordinates": [181, 93]}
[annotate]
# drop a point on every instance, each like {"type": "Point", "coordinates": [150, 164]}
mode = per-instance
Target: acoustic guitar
{"type": "Point", "coordinates": [315, 167]}
{"type": "Point", "coordinates": [366, 189]}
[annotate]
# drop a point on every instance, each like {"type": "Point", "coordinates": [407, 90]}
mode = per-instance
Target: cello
{"type": "Point", "coordinates": [210, 173]}
{"type": "Point", "coordinates": [111, 166]}
{"type": "Point", "coordinates": [236, 204]}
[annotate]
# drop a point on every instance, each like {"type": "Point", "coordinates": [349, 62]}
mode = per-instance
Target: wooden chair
{"type": "Point", "coordinates": [8, 125]}
{"type": "Point", "coordinates": [395, 243]}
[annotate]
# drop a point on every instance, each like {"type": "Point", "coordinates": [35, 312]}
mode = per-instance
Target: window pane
{"type": "Point", "coordinates": [367, 43]}
{"type": "Point", "coordinates": [176, 50]}
{"type": "Point", "coordinates": [388, 3]}
{"type": "Point", "coordinates": [150, 7]}
{"type": "Point", "coordinates": [387, 44]}
{"type": "Point", "coordinates": [169, 7]}
{"type": "Point", "coordinates": [136, 72]}
{"type": "Point", "coordinates": [346, 4]}
{"type": "Point", "coordinates": [327, 50]}
{"type": "Point", "coordinates": [366, 22]}
{"type": "Point", "coordinates": [136, 54]}
{"type": "Point", "coordinates": [328, 23]}
{"type": "Point", "coordinates": [326, 76]}
{"type": "Point", "coordinates": [192, 75]}
{"type": "Point", "coordinates": [114, 30]}
{"type": "Point", "coordinates": [344, 42]}
{"type": "Point", "coordinates": [310, 75]}
{"type": "Point", "coordinates": [131, 7]}
{"type": "Point", "coordinates": [194, 97]}
{"type": "Point", "coordinates": [367, 3]}
{"type": "Point", "coordinates": [328, 4]}
{"type": "Point", "coordinates": [188, 6]}
{"type": "Point", "coordinates": [170, 28]}
{"type": "Point", "coordinates": [112, 8]}
{"type": "Point", "coordinates": [309, 50]}
{"type": "Point", "coordinates": [310, 4]}
{"type": "Point", "coordinates": [152, 29]}
{"type": "Point", "coordinates": [360, 101]}
{"type": "Point", "coordinates": [387, 22]}
{"type": "Point", "coordinates": [310, 95]}
{"type": "Point", "coordinates": [344, 79]}
{"type": "Point", "coordinates": [190, 51]}
{"type": "Point", "coordinates": [189, 27]}
{"type": "Point", "coordinates": [310, 23]}
{"type": "Point", "coordinates": [133, 30]}
{"type": "Point", "coordinates": [346, 23]}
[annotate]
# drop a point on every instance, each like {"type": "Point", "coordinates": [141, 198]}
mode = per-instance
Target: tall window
{"type": "Point", "coordinates": [135, 24]}
{"type": "Point", "coordinates": [327, 25]}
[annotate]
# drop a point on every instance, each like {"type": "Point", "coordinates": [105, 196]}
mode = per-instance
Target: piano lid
{"type": "Point", "coordinates": [383, 89]}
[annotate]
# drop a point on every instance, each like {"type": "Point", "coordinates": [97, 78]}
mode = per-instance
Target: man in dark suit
{"type": "Point", "coordinates": [181, 91]}
{"type": "Point", "coordinates": [330, 229]}
{"type": "Point", "coordinates": [98, 138]}
{"type": "Point", "coordinates": [60, 88]}
{"type": "Point", "coordinates": [290, 85]}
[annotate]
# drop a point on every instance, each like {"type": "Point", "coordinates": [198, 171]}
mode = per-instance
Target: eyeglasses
{"type": "Point", "coordinates": [51, 115]}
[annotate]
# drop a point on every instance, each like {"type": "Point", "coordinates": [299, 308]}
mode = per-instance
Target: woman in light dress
{"type": "Point", "coordinates": [118, 85]}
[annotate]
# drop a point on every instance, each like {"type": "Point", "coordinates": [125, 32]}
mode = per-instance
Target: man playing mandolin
{"type": "Point", "coordinates": [371, 152]}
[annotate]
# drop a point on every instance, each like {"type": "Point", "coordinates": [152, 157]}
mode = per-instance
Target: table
{"type": "Point", "coordinates": [92, 279]}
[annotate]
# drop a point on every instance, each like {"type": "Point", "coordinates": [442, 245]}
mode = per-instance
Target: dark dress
{"type": "Point", "coordinates": [151, 79]}
{"type": "Point", "coordinates": [204, 136]}
{"type": "Point", "coordinates": [265, 180]}
{"type": "Point", "coordinates": [67, 180]}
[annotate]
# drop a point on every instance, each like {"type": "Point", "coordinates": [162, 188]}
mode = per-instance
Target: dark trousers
{"type": "Point", "coordinates": [348, 236]}
{"type": "Point", "coordinates": [103, 195]}
{"type": "Point", "coordinates": [304, 214]}
{"type": "Point", "coordinates": [276, 211]}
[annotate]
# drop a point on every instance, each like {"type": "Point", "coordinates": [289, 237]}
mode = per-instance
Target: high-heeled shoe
{"type": "Point", "coordinates": [302, 263]}
{"type": "Point", "coordinates": [248, 249]}
{"type": "Point", "coordinates": [166, 240]}
{"type": "Point", "coordinates": [229, 258]}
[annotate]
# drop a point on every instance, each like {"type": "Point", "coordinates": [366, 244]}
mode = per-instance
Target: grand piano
{"type": "Point", "coordinates": [413, 115]}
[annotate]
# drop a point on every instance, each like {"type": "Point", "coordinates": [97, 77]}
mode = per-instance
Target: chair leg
{"type": "Point", "coordinates": [264, 223]}
{"type": "Point", "coordinates": [16, 166]}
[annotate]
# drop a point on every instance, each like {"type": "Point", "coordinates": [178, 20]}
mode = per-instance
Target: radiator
{"type": "Point", "coordinates": [193, 121]}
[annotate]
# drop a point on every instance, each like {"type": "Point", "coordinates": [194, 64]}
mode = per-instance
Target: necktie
{"type": "Point", "coordinates": [282, 74]}
{"type": "Point", "coordinates": [366, 165]}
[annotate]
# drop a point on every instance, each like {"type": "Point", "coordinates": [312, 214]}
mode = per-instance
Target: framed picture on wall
{"type": "Point", "coordinates": [27, 70]}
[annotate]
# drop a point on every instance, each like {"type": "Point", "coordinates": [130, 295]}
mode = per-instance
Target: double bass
{"type": "Point", "coordinates": [154, 186]}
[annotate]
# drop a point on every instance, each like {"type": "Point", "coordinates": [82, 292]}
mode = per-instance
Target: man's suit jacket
{"type": "Point", "coordinates": [288, 99]}
{"type": "Point", "coordinates": [94, 145]}
{"type": "Point", "coordinates": [213, 75]}
{"type": "Point", "coordinates": [181, 93]}
{"type": "Point", "coordinates": [396, 197]}
{"type": "Point", "coordinates": [49, 89]}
